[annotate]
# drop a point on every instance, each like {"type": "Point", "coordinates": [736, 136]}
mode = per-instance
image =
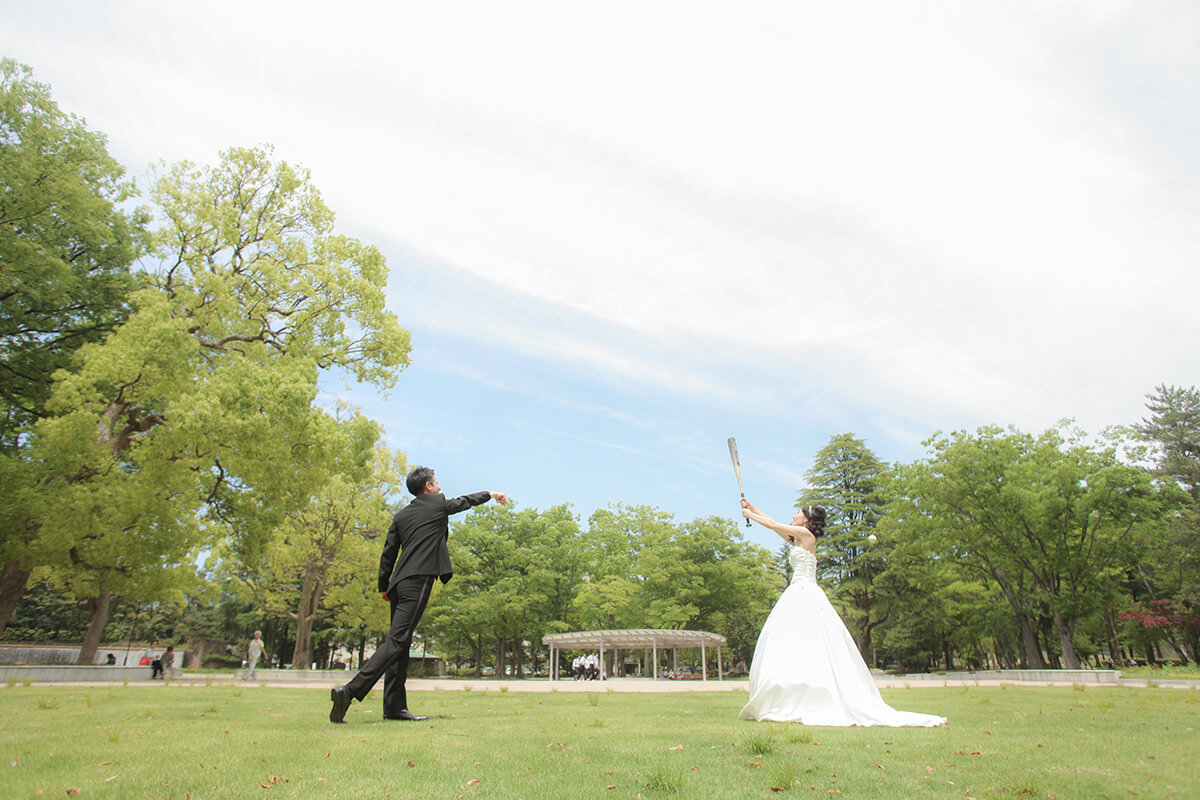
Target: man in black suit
{"type": "Point", "coordinates": [418, 537]}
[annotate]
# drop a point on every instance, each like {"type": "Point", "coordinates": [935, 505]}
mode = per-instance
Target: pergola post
{"type": "Point", "coordinates": [720, 672]}
{"type": "Point", "coordinates": [655, 642]}
{"type": "Point", "coordinates": [703, 662]}
{"type": "Point", "coordinates": [601, 658]}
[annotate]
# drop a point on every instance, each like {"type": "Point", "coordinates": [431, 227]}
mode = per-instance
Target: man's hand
{"type": "Point", "coordinates": [384, 595]}
{"type": "Point", "coordinates": [499, 497]}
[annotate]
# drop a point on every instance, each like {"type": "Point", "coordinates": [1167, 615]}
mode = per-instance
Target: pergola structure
{"type": "Point", "coordinates": [637, 639]}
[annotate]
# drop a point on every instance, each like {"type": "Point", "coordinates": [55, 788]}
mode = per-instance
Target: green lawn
{"type": "Point", "coordinates": [235, 742]}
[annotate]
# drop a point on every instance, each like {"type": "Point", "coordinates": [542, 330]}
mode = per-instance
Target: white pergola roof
{"type": "Point", "coordinates": [634, 637]}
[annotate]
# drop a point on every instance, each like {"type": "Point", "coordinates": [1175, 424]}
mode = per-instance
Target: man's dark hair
{"type": "Point", "coordinates": [417, 479]}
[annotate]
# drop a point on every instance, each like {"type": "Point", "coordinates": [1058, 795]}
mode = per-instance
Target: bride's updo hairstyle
{"type": "Point", "coordinates": [816, 520]}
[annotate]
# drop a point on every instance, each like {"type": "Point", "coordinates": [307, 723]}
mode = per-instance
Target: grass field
{"type": "Point", "coordinates": [237, 742]}
{"type": "Point", "coordinates": [1169, 672]}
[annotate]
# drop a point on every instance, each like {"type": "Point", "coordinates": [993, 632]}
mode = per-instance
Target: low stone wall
{"type": "Point", "coordinates": [71, 673]}
{"type": "Point", "coordinates": [1102, 676]}
{"type": "Point", "coordinates": [25, 654]}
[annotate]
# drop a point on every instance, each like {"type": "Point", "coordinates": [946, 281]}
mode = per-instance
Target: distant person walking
{"type": "Point", "coordinates": [415, 554]}
{"type": "Point", "coordinates": [253, 653]}
{"type": "Point", "coordinates": [167, 665]}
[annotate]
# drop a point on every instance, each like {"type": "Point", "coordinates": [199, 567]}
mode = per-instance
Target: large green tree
{"type": "Point", "coordinates": [316, 564]}
{"type": "Point", "coordinates": [66, 248]}
{"type": "Point", "coordinates": [850, 481]}
{"type": "Point", "coordinates": [1051, 520]}
{"type": "Point", "coordinates": [189, 418]}
{"type": "Point", "coordinates": [1167, 587]}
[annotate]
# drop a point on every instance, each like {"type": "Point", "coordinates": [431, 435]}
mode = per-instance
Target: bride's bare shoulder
{"type": "Point", "coordinates": [802, 537]}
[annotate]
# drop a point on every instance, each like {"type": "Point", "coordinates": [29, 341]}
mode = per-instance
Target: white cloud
{"type": "Point", "coordinates": [955, 215]}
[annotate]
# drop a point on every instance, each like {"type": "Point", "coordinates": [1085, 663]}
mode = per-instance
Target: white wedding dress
{"type": "Point", "coordinates": [807, 668]}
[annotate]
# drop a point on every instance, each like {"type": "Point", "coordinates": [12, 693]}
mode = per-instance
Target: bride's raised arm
{"type": "Point", "coordinates": [789, 533]}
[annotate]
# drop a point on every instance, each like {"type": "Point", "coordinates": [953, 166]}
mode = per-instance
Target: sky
{"type": "Point", "coordinates": [622, 233]}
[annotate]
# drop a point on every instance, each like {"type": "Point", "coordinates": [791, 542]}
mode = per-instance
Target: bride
{"type": "Point", "coordinates": [806, 667]}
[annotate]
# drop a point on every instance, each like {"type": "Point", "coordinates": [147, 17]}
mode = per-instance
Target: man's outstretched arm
{"type": "Point", "coordinates": [457, 504]}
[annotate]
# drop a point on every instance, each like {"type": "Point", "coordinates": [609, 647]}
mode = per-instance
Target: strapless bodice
{"type": "Point", "coordinates": [804, 565]}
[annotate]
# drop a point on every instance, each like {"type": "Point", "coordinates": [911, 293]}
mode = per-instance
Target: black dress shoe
{"type": "Point", "coordinates": [341, 701]}
{"type": "Point", "coordinates": [406, 716]}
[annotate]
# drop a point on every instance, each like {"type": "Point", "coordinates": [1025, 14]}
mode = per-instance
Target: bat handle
{"type": "Point", "coordinates": [747, 518]}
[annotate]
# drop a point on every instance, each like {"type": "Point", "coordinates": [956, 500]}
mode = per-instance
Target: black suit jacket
{"type": "Point", "coordinates": [418, 535]}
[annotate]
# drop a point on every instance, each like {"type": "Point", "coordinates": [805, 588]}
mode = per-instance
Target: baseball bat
{"type": "Point", "coordinates": [737, 469]}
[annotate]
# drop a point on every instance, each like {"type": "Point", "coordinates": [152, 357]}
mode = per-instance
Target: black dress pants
{"type": "Point", "coordinates": [390, 662]}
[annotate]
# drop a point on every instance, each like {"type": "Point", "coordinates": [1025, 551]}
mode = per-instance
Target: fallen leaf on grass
{"type": "Point", "coordinates": [881, 766]}
{"type": "Point", "coordinates": [326, 755]}
{"type": "Point", "coordinates": [611, 787]}
{"type": "Point", "coordinates": [755, 764]}
{"type": "Point", "coordinates": [676, 747]}
{"type": "Point", "coordinates": [473, 782]}
{"type": "Point", "coordinates": [323, 780]}
{"type": "Point", "coordinates": [929, 770]}
{"type": "Point", "coordinates": [110, 778]}
{"type": "Point", "coordinates": [73, 791]}
{"type": "Point", "coordinates": [412, 763]}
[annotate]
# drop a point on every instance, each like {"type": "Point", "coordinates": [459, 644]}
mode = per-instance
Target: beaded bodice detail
{"type": "Point", "coordinates": [804, 565]}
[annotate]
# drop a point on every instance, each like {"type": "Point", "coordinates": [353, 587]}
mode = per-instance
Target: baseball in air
{"type": "Point", "coordinates": [872, 538]}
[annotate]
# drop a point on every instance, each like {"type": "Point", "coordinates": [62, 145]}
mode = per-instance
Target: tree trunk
{"type": "Point", "coordinates": [501, 655]}
{"type": "Point", "coordinates": [91, 640]}
{"type": "Point", "coordinates": [1066, 640]}
{"type": "Point", "coordinates": [1029, 644]}
{"type": "Point", "coordinates": [1046, 624]}
{"type": "Point", "coordinates": [1115, 651]}
{"type": "Point", "coordinates": [13, 580]}
{"type": "Point", "coordinates": [302, 651]}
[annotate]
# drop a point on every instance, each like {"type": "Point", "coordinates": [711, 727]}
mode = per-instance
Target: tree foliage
{"type": "Point", "coordinates": [194, 414]}
{"type": "Point", "coordinates": [66, 245]}
{"type": "Point", "coordinates": [66, 248]}
{"type": "Point", "coordinates": [1051, 520]}
{"type": "Point", "coordinates": [850, 482]}
{"type": "Point", "coordinates": [315, 565]}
